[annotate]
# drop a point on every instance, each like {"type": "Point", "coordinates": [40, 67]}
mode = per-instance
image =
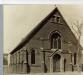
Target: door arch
{"type": "Point", "coordinates": [56, 63]}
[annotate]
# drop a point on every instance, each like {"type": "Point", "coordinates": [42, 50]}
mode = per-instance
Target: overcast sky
{"type": "Point", "coordinates": [19, 20]}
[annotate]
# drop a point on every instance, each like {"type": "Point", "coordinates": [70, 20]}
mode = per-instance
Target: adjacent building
{"type": "Point", "coordinates": [5, 63]}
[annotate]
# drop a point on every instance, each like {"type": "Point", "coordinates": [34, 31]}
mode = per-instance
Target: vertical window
{"type": "Point", "coordinates": [27, 55]}
{"type": "Point", "coordinates": [59, 43]}
{"type": "Point", "coordinates": [58, 19]}
{"type": "Point", "coordinates": [64, 65]}
{"type": "Point", "coordinates": [19, 56]}
{"type": "Point", "coordinates": [33, 57]}
{"type": "Point", "coordinates": [55, 41]}
{"type": "Point", "coordinates": [11, 59]}
{"type": "Point", "coordinates": [75, 57]}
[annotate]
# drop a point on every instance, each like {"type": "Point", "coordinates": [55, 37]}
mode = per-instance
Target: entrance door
{"type": "Point", "coordinates": [56, 63]}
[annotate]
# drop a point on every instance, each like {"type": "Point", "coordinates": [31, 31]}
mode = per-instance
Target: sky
{"type": "Point", "coordinates": [19, 20]}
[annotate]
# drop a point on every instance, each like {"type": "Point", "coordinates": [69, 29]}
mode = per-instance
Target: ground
{"type": "Point", "coordinates": [66, 73]}
{"type": "Point", "coordinates": [58, 73]}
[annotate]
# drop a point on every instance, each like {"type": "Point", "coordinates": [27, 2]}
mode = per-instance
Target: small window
{"type": "Point", "coordinates": [75, 57]}
{"type": "Point", "coordinates": [33, 57]}
{"type": "Point", "coordinates": [56, 19]}
{"type": "Point", "coordinates": [19, 57]}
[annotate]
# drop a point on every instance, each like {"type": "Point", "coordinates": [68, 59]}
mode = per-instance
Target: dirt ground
{"type": "Point", "coordinates": [5, 72]}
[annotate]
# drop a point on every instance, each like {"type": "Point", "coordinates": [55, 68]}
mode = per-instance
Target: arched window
{"type": "Point", "coordinates": [75, 57]}
{"type": "Point", "coordinates": [55, 41]}
{"type": "Point", "coordinates": [33, 56]}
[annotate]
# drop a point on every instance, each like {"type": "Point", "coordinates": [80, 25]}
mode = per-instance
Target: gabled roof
{"type": "Point", "coordinates": [35, 30]}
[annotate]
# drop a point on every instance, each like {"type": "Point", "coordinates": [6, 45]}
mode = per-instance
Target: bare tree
{"type": "Point", "coordinates": [78, 31]}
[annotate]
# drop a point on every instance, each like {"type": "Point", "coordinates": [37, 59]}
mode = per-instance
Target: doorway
{"type": "Point", "coordinates": [56, 63]}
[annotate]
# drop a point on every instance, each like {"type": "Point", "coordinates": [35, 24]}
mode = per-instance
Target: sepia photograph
{"type": "Point", "coordinates": [43, 39]}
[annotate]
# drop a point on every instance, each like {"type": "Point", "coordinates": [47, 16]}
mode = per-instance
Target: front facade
{"type": "Point", "coordinates": [50, 47]}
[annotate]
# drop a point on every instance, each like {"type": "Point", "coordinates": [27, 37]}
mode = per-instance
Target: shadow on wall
{"type": "Point", "coordinates": [45, 68]}
{"type": "Point", "coordinates": [28, 68]}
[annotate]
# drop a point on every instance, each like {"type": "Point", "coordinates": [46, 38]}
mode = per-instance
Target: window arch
{"type": "Point", "coordinates": [55, 41]}
{"type": "Point", "coordinates": [32, 56]}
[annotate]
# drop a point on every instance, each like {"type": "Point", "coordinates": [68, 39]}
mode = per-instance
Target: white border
{"type": "Point", "coordinates": [1, 40]}
{"type": "Point", "coordinates": [42, 1]}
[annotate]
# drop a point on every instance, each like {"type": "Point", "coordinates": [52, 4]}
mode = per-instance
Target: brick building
{"type": "Point", "coordinates": [50, 47]}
